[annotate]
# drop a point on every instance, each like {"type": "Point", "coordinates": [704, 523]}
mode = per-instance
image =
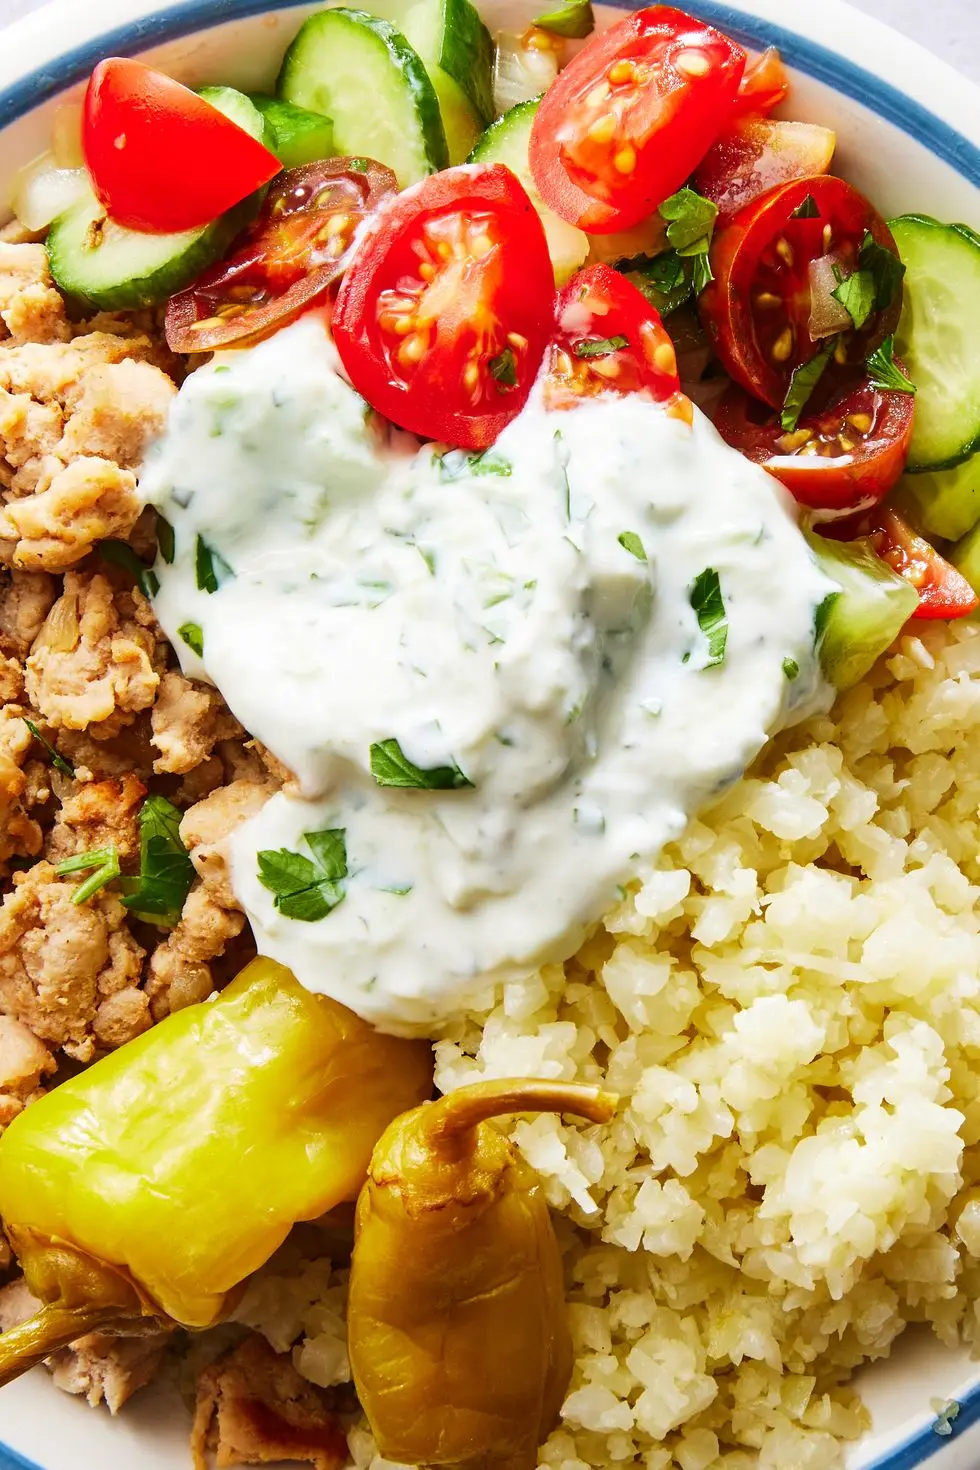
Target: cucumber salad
{"type": "Point", "coordinates": [561, 426]}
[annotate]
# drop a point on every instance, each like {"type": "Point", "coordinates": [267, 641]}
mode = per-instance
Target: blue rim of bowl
{"type": "Point", "coordinates": [805, 56]}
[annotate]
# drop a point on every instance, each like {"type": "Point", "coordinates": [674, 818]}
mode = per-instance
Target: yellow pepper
{"type": "Point", "coordinates": [149, 1187]}
{"type": "Point", "coordinates": [457, 1329]}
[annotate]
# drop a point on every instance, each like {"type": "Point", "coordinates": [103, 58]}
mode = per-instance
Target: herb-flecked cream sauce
{"type": "Point", "coordinates": [596, 625]}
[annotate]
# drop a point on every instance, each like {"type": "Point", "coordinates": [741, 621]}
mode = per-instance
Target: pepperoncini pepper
{"type": "Point", "coordinates": [457, 1329]}
{"type": "Point", "coordinates": [149, 1187]}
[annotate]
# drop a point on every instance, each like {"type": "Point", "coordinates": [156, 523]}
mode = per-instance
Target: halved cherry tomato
{"type": "Point", "coordinates": [631, 116]}
{"type": "Point", "coordinates": [943, 591]}
{"type": "Point", "coordinates": [757, 309]}
{"type": "Point", "coordinates": [610, 339]}
{"type": "Point", "coordinates": [764, 85]}
{"type": "Point", "coordinates": [163, 160]}
{"type": "Point", "coordinates": [838, 462]}
{"type": "Point", "coordinates": [445, 311]}
{"type": "Point", "coordinates": [757, 154]}
{"type": "Point", "coordinates": [296, 249]}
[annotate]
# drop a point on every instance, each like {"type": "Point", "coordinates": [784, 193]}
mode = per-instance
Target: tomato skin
{"type": "Point", "coordinates": [665, 116]}
{"type": "Point", "coordinates": [491, 294]}
{"type": "Point", "coordinates": [943, 591]}
{"type": "Point", "coordinates": [757, 155]}
{"type": "Point", "coordinates": [291, 255]}
{"type": "Point", "coordinates": [744, 255]}
{"type": "Point", "coordinates": [163, 160]}
{"type": "Point", "coordinates": [765, 83]}
{"type": "Point", "coordinates": [877, 426]}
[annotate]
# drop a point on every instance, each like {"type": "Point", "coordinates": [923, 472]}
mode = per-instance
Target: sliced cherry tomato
{"type": "Point", "coordinates": [631, 116]}
{"type": "Point", "coordinates": [610, 339]}
{"type": "Point", "coordinates": [757, 309]}
{"type": "Point", "coordinates": [296, 249]}
{"type": "Point", "coordinates": [765, 83]}
{"type": "Point", "coordinates": [943, 591]}
{"type": "Point", "coordinates": [838, 462]}
{"type": "Point", "coordinates": [163, 160]}
{"type": "Point", "coordinates": [445, 311]}
{"type": "Point", "coordinates": [755, 155]}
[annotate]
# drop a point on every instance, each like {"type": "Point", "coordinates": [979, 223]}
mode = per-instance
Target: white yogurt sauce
{"type": "Point", "coordinates": [492, 622]}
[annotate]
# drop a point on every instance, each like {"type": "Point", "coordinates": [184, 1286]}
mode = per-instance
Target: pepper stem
{"type": "Point", "coordinates": [51, 1328]}
{"type": "Point", "coordinates": [449, 1117]}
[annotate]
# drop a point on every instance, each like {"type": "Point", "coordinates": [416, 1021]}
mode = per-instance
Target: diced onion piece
{"type": "Point", "coordinates": [42, 191]}
{"type": "Point", "coordinates": [521, 71]}
{"type": "Point", "coordinates": [66, 136]}
{"type": "Point", "coordinates": [827, 315]}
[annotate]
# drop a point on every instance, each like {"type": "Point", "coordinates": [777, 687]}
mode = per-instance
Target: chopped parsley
{"type": "Point", "coordinates": [600, 347]}
{"type": "Point", "coordinates": [807, 210]}
{"type": "Point", "coordinates": [574, 20]}
{"type": "Point", "coordinates": [805, 378]}
{"type": "Point", "coordinates": [631, 542]}
{"type": "Point", "coordinates": [691, 222]}
{"type": "Point", "coordinates": [304, 888]}
{"type": "Point", "coordinates": [709, 607]}
{"type": "Point", "coordinates": [165, 540]}
{"type": "Point", "coordinates": [58, 761]}
{"type": "Point", "coordinates": [790, 668]}
{"type": "Point", "coordinates": [122, 555]}
{"type": "Point", "coordinates": [503, 368]}
{"type": "Point", "coordinates": [884, 372]}
{"type": "Point", "coordinates": [561, 460]}
{"type": "Point", "coordinates": [873, 286]}
{"type": "Point", "coordinates": [856, 294]}
{"type": "Point", "coordinates": [166, 872]}
{"type": "Point", "coordinates": [390, 766]}
{"type": "Point", "coordinates": [102, 862]}
{"type": "Point", "coordinates": [193, 636]}
{"type": "Point", "coordinates": [456, 463]}
{"type": "Point", "coordinates": [210, 567]}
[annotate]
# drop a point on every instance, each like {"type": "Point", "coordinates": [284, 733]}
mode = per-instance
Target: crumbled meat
{"type": "Point", "coordinates": [88, 500]}
{"type": "Point", "coordinates": [16, 1304]}
{"type": "Point", "coordinates": [70, 972]}
{"type": "Point", "coordinates": [26, 599]}
{"type": "Point", "coordinates": [11, 680]}
{"type": "Point", "coordinates": [205, 830]}
{"type": "Point", "coordinates": [128, 753]}
{"type": "Point", "coordinates": [107, 1369]}
{"type": "Point", "coordinates": [180, 972]}
{"type": "Point", "coordinates": [119, 410]}
{"type": "Point", "coordinates": [24, 1061]}
{"type": "Point", "coordinates": [188, 722]}
{"type": "Point", "coordinates": [92, 664]}
{"type": "Point", "coordinates": [253, 1408]}
{"type": "Point", "coordinates": [20, 833]}
{"type": "Point", "coordinates": [99, 814]}
{"type": "Point", "coordinates": [31, 310]}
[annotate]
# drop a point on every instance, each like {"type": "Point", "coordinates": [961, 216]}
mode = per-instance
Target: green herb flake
{"type": "Point", "coordinates": [572, 20]}
{"type": "Point", "coordinates": [503, 369]}
{"type": "Point", "coordinates": [455, 463]}
{"type": "Point", "coordinates": [307, 889]}
{"type": "Point", "coordinates": [210, 567]}
{"type": "Point", "coordinates": [122, 555]}
{"type": "Point", "coordinates": [400, 890]}
{"type": "Point", "coordinates": [101, 862]}
{"type": "Point", "coordinates": [701, 273]}
{"type": "Point", "coordinates": [807, 210]}
{"type": "Point", "coordinates": [884, 268]}
{"type": "Point", "coordinates": [600, 347]}
{"type": "Point", "coordinates": [709, 607]}
{"type": "Point", "coordinates": [358, 165]}
{"type": "Point", "coordinates": [790, 668]}
{"type": "Point", "coordinates": [805, 378]}
{"type": "Point", "coordinates": [665, 280]}
{"type": "Point", "coordinates": [193, 636]}
{"type": "Point", "coordinates": [165, 540]}
{"type": "Point", "coordinates": [691, 219]}
{"type": "Point", "coordinates": [564, 485]}
{"type": "Point", "coordinates": [884, 372]}
{"type": "Point", "coordinates": [166, 872]}
{"type": "Point", "coordinates": [856, 294]}
{"type": "Point", "coordinates": [631, 542]}
{"type": "Point", "coordinates": [58, 761]}
{"type": "Point", "coordinates": [390, 766]}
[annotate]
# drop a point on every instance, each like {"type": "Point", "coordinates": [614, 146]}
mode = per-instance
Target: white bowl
{"type": "Point", "coordinates": [908, 132]}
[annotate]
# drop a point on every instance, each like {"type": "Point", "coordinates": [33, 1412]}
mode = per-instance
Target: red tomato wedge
{"type": "Point", "coordinates": [943, 591]}
{"type": "Point", "coordinates": [444, 314]}
{"type": "Point", "coordinates": [757, 310]}
{"type": "Point", "coordinates": [838, 462]}
{"type": "Point", "coordinates": [756, 155]}
{"type": "Point", "coordinates": [631, 116]}
{"type": "Point", "coordinates": [296, 249]}
{"type": "Point", "coordinates": [765, 83]}
{"type": "Point", "coordinates": [610, 339]}
{"type": "Point", "coordinates": [163, 160]}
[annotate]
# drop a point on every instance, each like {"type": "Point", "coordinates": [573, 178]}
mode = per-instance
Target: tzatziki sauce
{"type": "Point", "coordinates": [579, 637]}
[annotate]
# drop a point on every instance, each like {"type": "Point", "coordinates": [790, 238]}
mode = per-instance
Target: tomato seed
{"type": "Point", "coordinates": [783, 345]}
{"type": "Point", "coordinates": [603, 129]}
{"type": "Point", "coordinates": [665, 358]}
{"type": "Point", "coordinates": [766, 300]}
{"type": "Point", "coordinates": [606, 367]}
{"type": "Point", "coordinates": [846, 444]}
{"type": "Point", "coordinates": [598, 95]}
{"type": "Point", "coordinates": [621, 71]}
{"type": "Point", "coordinates": [785, 251]}
{"type": "Point", "coordinates": [624, 161]}
{"type": "Point", "coordinates": [427, 271]}
{"type": "Point", "coordinates": [840, 354]}
{"type": "Point", "coordinates": [471, 376]}
{"type": "Point", "coordinates": [828, 235]}
{"type": "Point", "coordinates": [791, 443]}
{"type": "Point", "coordinates": [515, 340]}
{"type": "Point", "coordinates": [860, 421]}
{"type": "Point", "coordinates": [413, 349]}
{"type": "Point", "coordinates": [692, 63]}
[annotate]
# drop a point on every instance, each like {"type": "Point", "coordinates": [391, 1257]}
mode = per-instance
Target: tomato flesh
{"type": "Point", "coordinates": [943, 591]}
{"type": "Point", "coordinates": [631, 116]}
{"type": "Point", "coordinates": [838, 462]}
{"type": "Point", "coordinates": [610, 339]}
{"type": "Point", "coordinates": [163, 160]}
{"type": "Point", "coordinates": [756, 155]}
{"type": "Point", "coordinates": [765, 83]}
{"type": "Point", "coordinates": [297, 248]}
{"type": "Point", "coordinates": [444, 314]}
{"type": "Point", "coordinates": [757, 309]}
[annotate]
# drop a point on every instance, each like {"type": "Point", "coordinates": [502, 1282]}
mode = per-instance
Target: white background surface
{"type": "Point", "coordinates": [951, 28]}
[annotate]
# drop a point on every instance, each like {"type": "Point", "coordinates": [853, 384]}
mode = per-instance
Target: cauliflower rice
{"type": "Point", "coordinates": [790, 1011]}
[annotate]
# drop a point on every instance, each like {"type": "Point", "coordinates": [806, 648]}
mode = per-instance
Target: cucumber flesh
{"type": "Point", "coordinates": [943, 503]}
{"type": "Point", "coordinates": [938, 338]}
{"type": "Point", "coordinates": [243, 111]}
{"type": "Point", "coordinates": [506, 141]}
{"type": "Point", "coordinates": [965, 557]}
{"type": "Point", "coordinates": [361, 72]}
{"type": "Point", "coordinates": [104, 266]}
{"type": "Point", "coordinates": [856, 625]}
{"type": "Point", "coordinates": [298, 136]}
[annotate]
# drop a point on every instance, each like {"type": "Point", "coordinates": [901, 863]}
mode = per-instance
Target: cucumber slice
{"type": "Point", "coordinates": [243, 111]}
{"type": "Point", "coordinates": [103, 266]}
{"type": "Point", "coordinates": [361, 72]}
{"type": "Point", "coordinates": [938, 338]}
{"type": "Point", "coordinates": [506, 142]}
{"type": "Point", "coordinates": [965, 557]}
{"type": "Point", "coordinates": [944, 503]}
{"type": "Point", "coordinates": [857, 624]}
{"type": "Point", "coordinates": [298, 136]}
